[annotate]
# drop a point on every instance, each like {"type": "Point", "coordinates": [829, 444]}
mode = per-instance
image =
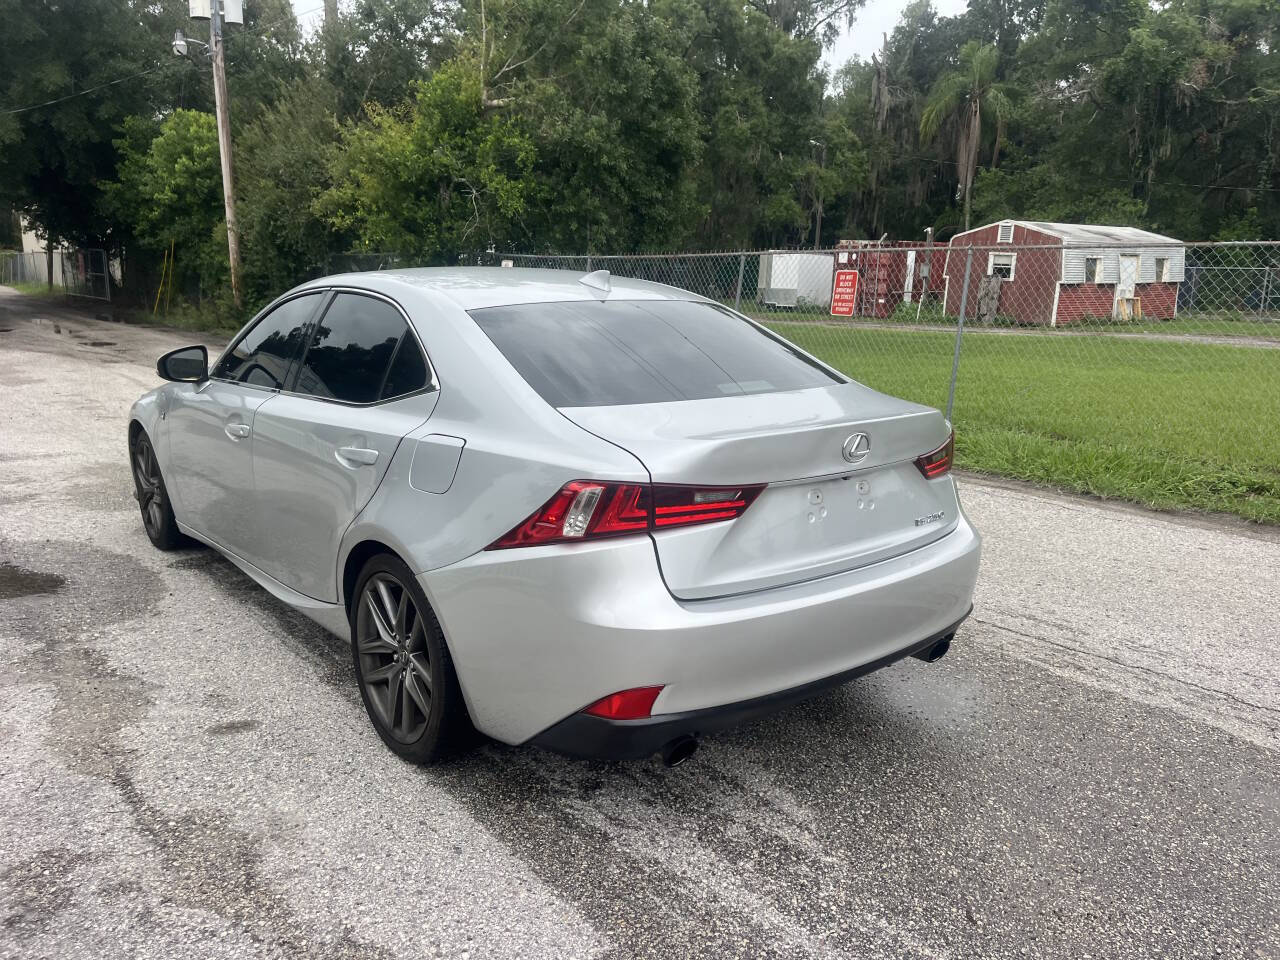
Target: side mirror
{"type": "Point", "coordinates": [185, 365]}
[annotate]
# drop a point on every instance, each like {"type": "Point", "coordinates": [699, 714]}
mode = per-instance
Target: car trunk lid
{"type": "Point", "coordinates": [820, 514]}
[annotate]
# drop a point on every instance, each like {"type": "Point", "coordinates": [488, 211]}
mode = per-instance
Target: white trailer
{"type": "Point", "coordinates": [792, 279]}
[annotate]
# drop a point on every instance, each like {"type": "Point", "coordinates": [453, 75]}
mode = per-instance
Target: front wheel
{"type": "Point", "coordinates": [153, 498]}
{"type": "Point", "coordinates": [403, 665]}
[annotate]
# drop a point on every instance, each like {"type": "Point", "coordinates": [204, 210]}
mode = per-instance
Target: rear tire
{"type": "Point", "coordinates": [406, 676]}
{"type": "Point", "coordinates": [152, 496]}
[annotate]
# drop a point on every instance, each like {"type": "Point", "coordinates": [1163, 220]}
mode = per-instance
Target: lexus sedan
{"type": "Point", "coordinates": [597, 515]}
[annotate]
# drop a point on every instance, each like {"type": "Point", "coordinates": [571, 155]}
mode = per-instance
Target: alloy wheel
{"type": "Point", "coordinates": [391, 642]}
{"type": "Point", "coordinates": [150, 492]}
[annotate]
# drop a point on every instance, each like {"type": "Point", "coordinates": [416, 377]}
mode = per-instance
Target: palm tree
{"type": "Point", "coordinates": [959, 102]}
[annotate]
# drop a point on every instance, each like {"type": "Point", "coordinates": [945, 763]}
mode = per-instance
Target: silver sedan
{"type": "Point", "coordinates": [598, 515]}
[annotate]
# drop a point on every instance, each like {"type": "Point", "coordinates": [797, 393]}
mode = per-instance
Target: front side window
{"type": "Point", "coordinates": [586, 353]}
{"type": "Point", "coordinates": [1162, 269]}
{"type": "Point", "coordinates": [262, 356]}
{"type": "Point", "coordinates": [1092, 267]}
{"type": "Point", "coordinates": [351, 356]}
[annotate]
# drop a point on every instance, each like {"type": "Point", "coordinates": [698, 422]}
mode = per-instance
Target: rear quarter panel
{"type": "Point", "coordinates": [517, 452]}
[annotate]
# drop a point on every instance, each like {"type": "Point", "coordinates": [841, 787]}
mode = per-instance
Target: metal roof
{"type": "Point", "coordinates": [1086, 234]}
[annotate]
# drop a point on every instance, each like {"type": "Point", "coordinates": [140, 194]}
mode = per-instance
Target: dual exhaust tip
{"type": "Point", "coordinates": [683, 747]}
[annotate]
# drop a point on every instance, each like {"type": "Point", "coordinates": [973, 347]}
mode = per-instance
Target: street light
{"type": "Point", "coordinates": [181, 44]}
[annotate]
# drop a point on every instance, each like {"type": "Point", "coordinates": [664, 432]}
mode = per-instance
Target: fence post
{"type": "Point", "coordinates": [588, 263]}
{"type": "Point", "coordinates": [737, 293]}
{"type": "Point", "coordinates": [964, 302]}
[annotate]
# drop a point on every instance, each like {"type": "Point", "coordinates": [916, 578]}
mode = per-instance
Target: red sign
{"type": "Point", "coordinates": [844, 293]}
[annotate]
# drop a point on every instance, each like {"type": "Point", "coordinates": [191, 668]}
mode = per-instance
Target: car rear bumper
{"type": "Point", "coordinates": [539, 633]}
{"type": "Point", "coordinates": [583, 735]}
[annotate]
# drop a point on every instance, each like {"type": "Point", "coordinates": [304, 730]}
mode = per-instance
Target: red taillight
{"type": "Point", "coordinates": [592, 509]}
{"type": "Point", "coordinates": [679, 506]}
{"type": "Point", "coordinates": [937, 462]}
{"type": "Point", "coordinates": [626, 704]}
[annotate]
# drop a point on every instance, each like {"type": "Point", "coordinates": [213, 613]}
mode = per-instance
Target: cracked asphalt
{"type": "Point", "coordinates": [186, 768]}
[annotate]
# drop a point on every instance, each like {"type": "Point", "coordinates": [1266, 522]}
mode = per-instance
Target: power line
{"type": "Point", "coordinates": [81, 93]}
{"type": "Point", "coordinates": [260, 28]}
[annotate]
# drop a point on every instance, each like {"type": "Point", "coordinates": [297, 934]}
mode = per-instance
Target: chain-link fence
{"type": "Point", "coordinates": [76, 272]}
{"type": "Point", "coordinates": [1146, 370]}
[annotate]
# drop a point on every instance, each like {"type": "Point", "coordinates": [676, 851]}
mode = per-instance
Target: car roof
{"type": "Point", "coordinates": [472, 288]}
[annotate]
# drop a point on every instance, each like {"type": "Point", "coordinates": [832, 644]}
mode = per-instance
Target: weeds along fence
{"type": "Point", "coordinates": [75, 272]}
{"type": "Point", "coordinates": [1149, 371]}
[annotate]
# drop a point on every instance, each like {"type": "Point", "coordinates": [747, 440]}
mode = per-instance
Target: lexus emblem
{"type": "Point", "coordinates": [856, 448]}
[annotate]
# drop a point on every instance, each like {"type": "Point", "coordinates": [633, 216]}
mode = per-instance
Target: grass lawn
{"type": "Point", "coordinates": [1169, 425]}
{"type": "Point", "coordinates": [1213, 324]}
{"type": "Point", "coordinates": [39, 289]}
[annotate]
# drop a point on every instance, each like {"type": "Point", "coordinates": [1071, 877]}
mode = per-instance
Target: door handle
{"type": "Point", "coordinates": [357, 456]}
{"type": "Point", "coordinates": [237, 431]}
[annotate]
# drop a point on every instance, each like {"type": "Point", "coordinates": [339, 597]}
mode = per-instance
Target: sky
{"type": "Point", "coordinates": [877, 17]}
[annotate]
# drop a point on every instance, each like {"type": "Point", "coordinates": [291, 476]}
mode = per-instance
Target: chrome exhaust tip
{"type": "Point", "coordinates": [679, 750]}
{"type": "Point", "coordinates": [936, 652]}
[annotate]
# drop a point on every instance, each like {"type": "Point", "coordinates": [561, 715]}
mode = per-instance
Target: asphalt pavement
{"type": "Point", "coordinates": [186, 769]}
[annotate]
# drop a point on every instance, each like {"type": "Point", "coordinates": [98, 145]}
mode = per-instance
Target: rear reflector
{"type": "Point", "coordinates": [594, 509]}
{"type": "Point", "coordinates": [626, 704]}
{"type": "Point", "coordinates": [937, 462]}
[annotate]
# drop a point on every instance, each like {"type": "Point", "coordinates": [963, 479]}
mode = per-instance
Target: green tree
{"type": "Point", "coordinates": [378, 50]}
{"type": "Point", "coordinates": [601, 89]}
{"type": "Point", "coordinates": [61, 107]}
{"type": "Point", "coordinates": [963, 103]}
{"type": "Point", "coordinates": [433, 179]}
{"type": "Point", "coordinates": [286, 157]}
{"type": "Point", "coordinates": [169, 195]}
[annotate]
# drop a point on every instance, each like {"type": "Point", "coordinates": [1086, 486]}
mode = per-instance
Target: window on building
{"type": "Point", "coordinates": [1004, 233]}
{"type": "Point", "coordinates": [1162, 269]}
{"type": "Point", "coordinates": [1001, 265]}
{"type": "Point", "coordinates": [1092, 269]}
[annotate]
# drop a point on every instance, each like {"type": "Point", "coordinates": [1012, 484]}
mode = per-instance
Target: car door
{"type": "Point", "coordinates": [322, 446]}
{"type": "Point", "coordinates": [210, 426]}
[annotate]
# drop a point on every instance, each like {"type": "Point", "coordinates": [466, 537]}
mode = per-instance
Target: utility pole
{"type": "Point", "coordinates": [224, 145]}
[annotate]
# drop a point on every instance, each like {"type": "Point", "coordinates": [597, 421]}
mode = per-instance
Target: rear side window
{"type": "Point", "coordinates": [350, 357]}
{"type": "Point", "coordinates": [592, 354]}
{"type": "Point", "coordinates": [262, 356]}
{"type": "Point", "coordinates": [408, 373]}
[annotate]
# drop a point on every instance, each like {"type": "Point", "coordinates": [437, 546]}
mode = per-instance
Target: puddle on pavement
{"type": "Point", "coordinates": [102, 343]}
{"type": "Point", "coordinates": [20, 582]}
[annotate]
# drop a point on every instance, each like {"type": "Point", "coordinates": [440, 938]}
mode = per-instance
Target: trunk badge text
{"type": "Point", "coordinates": [930, 518]}
{"type": "Point", "coordinates": [856, 448]}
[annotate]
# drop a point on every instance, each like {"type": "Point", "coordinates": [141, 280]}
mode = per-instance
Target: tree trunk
{"type": "Point", "coordinates": [971, 161]}
{"type": "Point", "coordinates": [48, 262]}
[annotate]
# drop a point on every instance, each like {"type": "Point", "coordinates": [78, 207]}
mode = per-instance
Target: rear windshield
{"type": "Point", "coordinates": [593, 354]}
